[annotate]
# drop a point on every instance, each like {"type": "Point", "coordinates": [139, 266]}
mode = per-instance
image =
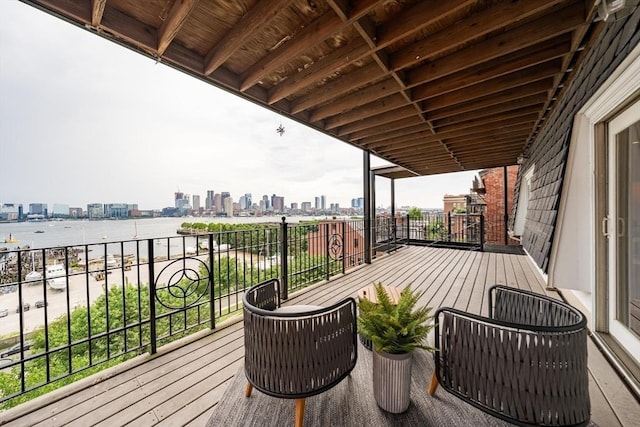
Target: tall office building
{"type": "Point", "coordinates": [317, 204]}
{"type": "Point", "coordinates": [182, 200]}
{"type": "Point", "coordinates": [228, 205]}
{"type": "Point", "coordinates": [306, 206]}
{"type": "Point", "coordinates": [10, 211]}
{"type": "Point", "coordinates": [95, 210]}
{"type": "Point", "coordinates": [60, 210]}
{"type": "Point", "coordinates": [267, 204]}
{"type": "Point", "coordinates": [116, 210]}
{"type": "Point", "coordinates": [196, 202]}
{"type": "Point", "coordinates": [38, 209]}
{"type": "Point", "coordinates": [217, 202]}
{"type": "Point", "coordinates": [223, 206]}
{"type": "Point", "coordinates": [209, 201]}
{"type": "Point", "coordinates": [323, 202]}
{"type": "Point", "coordinates": [278, 203]}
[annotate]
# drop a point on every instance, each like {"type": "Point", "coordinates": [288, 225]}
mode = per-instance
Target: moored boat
{"type": "Point", "coordinates": [56, 276]}
{"type": "Point", "coordinates": [11, 239]}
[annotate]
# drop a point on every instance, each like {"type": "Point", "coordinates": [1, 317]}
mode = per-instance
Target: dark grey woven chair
{"type": "Point", "coordinates": [295, 354]}
{"type": "Point", "coordinates": [526, 363]}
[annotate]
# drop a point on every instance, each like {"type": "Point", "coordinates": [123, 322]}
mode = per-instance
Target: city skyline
{"type": "Point", "coordinates": [182, 199]}
{"type": "Point", "coordinates": [100, 129]}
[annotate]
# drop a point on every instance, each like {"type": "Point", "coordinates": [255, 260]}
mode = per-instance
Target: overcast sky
{"type": "Point", "coordinates": [83, 120]}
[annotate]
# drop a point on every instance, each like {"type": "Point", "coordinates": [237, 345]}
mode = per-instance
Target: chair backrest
{"type": "Point", "coordinates": [534, 372]}
{"type": "Point", "coordinates": [296, 355]}
{"type": "Point", "coordinates": [534, 310]}
{"type": "Point", "coordinates": [265, 295]}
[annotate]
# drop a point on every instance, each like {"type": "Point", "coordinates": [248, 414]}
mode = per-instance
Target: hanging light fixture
{"type": "Point", "coordinates": [612, 10]}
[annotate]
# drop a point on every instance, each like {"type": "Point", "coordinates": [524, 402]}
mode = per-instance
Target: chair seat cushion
{"type": "Point", "coordinates": [299, 309]}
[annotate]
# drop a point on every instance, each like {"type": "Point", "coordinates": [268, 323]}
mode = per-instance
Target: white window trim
{"type": "Point", "coordinates": [621, 86]}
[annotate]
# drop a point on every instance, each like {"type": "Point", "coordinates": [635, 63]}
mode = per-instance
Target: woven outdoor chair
{"type": "Point", "coordinates": [526, 363]}
{"type": "Point", "coordinates": [295, 352]}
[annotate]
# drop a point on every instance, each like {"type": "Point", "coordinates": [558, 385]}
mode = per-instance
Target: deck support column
{"type": "Point", "coordinates": [506, 214]}
{"type": "Point", "coordinates": [366, 186]}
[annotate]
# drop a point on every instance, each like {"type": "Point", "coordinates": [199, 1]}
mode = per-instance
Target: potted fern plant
{"type": "Point", "coordinates": [395, 331]}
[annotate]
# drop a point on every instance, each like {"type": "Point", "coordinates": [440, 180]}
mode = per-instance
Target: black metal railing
{"type": "Point", "coordinates": [448, 230]}
{"type": "Point", "coordinates": [73, 310]}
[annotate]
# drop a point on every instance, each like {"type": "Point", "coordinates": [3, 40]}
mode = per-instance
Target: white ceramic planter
{"type": "Point", "coordinates": [392, 381]}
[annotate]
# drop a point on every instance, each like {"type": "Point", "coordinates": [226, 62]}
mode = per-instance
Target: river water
{"type": "Point", "coordinates": [47, 234]}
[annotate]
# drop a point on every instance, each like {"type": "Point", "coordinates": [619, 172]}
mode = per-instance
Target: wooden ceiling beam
{"type": "Point", "coordinates": [458, 60]}
{"type": "Point", "coordinates": [418, 17]}
{"type": "Point", "coordinates": [528, 57]}
{"type": "Point", "coordinates": [525, 111]}
{"type": "Point", "coordinates": [261, 14]}
{"type": "Point", "coordinates": [535, 32]}
{"type": "Point", "coordinates": [128, 29]}
{"type": "Point", "coordinates": [378, 107]}
{"type": "Point", "coordinates": [387, 34]}
{"type": "Point", "coordinates": [97, 10]}
{"type": "Point", "coordinates": [341, 57]}
{"type": "Point", "coordinates": [387, 127]}
{"type": "Point", "coordinates": [417, 153]}
{"type": "Point", "coordinates": [358, 115]}
{"type": "Point", "coordinates": [310, 36]}
{"type": "Point", "coordinates": [475, 139]}
{"type": "Point", "coordinates": [401, 118]}
{"type": "Point", "coordinates": [512, 141]}
{"type": "Point", "coordinates": [173, 22]}
{"type": "Point", "coordinates": [358, 98]}
{"type": "Point", "coordinates": [418, 147]}
{"type": "Point", "coordinates": [498, 128]}
{"type": "Point", "coordinates": [364, 76]}
{"type": "Point", "coordinates": [381, 119]}
{"type": "Point", "coordinates": [419, 130]}
{"type": "Point", "coordinates": [513, 80]}
{"type": "Point", "coordinates": [536, 100]}
{"type": "Point", "coordinates": [469, 29]}
{"type": "Point", "coordinates": [513, 94]}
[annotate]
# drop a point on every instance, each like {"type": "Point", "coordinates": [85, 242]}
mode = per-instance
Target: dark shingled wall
{"type": "Point", "coordinates": [549, 150]}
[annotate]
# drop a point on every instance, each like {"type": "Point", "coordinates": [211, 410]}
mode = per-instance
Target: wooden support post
{"type": "Point", "coordinates": [434, 384]}
{"type": "Point", "coordinates": [299, 412]}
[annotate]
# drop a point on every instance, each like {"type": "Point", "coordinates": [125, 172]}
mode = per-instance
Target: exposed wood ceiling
{"type": "Point", "coordinates": [433, 86]}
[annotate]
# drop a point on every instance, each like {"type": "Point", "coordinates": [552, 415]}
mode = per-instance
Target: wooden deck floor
{"type": "Point", "coordinates": [183, 383]}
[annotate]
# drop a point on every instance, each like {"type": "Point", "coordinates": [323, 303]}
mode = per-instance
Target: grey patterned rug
{"type": "Point", "coordinates": [350, 403]}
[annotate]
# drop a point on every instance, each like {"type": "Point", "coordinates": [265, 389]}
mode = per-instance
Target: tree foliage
{"type": "Point", "coordinates": [414, 213]}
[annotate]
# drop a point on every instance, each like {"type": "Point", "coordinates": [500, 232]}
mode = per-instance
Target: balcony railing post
{"type": "Point", "coordinates": [408, 228]}
{"type": "Point", "coordinates": [212, 290]}
{"type": "Point", "coordinates": [448, 226]}
{"type": "Point", "coordinates": [152, 292]}
{"type": "Point", "coordinates": [284, 259]}
{"type": "Point", "coordinates": [327, 252]}
{"type": "Point", "coordinates": [344, 247]}
{"type": "Point", "coordinates": [482, 232]}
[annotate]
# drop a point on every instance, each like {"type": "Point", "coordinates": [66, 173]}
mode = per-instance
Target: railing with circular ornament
{"type": "Point", "coordinates": [181, 297]}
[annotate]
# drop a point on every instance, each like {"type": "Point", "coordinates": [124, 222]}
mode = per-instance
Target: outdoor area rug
{"type": "Point", "coordinates": [350, 403]}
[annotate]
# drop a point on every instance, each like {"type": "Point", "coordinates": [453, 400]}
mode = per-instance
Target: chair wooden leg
{"type": "Point", "coordinates": [248, 389]}
{"type": "Point", "coordinates": [299, 412]}
{"type": "Point", "coordinates": [434, 384]}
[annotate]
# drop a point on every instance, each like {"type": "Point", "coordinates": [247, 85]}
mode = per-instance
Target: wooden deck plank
{"type": "Point", "coordinates": [184, 382]}
{"type": "Point", "coordinates": [462, 303]}
{"type": "Point", "coordinates": [478, 294]}
{"type": "Point", "coordinates": [458, 282]}
{"type": "Point", "coordinates": [499, 268]}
